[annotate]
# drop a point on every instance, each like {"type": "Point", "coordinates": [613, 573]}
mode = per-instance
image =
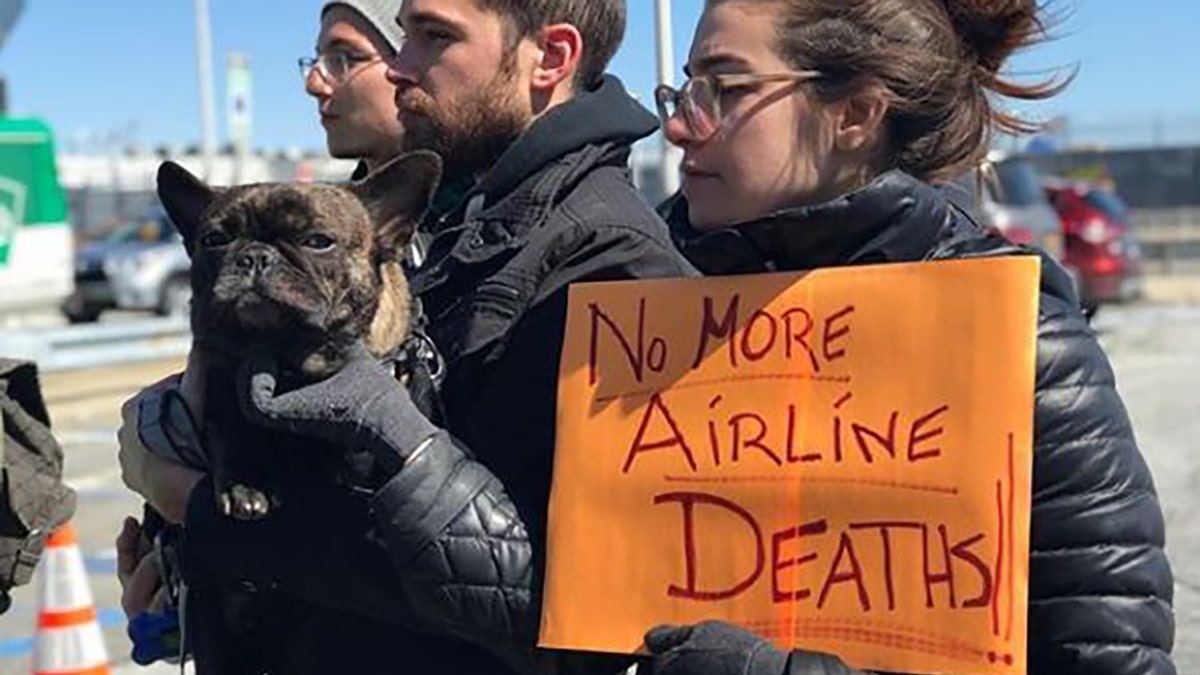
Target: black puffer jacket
{"type": "Point", "coordinates": [441, 575]}
{"type": "Point", "coordinates": [1100, 588]}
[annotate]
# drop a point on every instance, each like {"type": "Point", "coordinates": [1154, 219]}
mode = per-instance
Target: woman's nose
{"type": "Point", "coordinates": [677, 131]}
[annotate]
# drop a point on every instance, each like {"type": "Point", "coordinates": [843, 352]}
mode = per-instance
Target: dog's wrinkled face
{"type": "Point", "coordinates": [304, 270]}
{"type": "Point", "coordinates": [273, 262]}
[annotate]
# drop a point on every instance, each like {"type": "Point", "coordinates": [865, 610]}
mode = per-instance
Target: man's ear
{"type": "Point", "coordinates": [185, 198]}
{"type": "Point", "coordinates": [561, 46]}
{"type": "Point", "coordinates": [398, 194]}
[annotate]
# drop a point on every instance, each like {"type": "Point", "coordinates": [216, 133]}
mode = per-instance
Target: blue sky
{"type": "Point", "coordinates": [127, 67]}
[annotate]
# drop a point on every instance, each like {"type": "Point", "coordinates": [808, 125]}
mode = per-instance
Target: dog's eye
{"type": "Point", "coordinates": [216, 239]}
{"type": "Point", "coordinates": [319, 242]}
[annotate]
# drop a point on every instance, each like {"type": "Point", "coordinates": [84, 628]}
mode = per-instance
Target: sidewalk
{"type": "Point", "coordinates": [1172, 289]}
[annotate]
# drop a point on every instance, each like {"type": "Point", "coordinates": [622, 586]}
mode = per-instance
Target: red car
{"type": "Point", "coordinates": [1098, 243]}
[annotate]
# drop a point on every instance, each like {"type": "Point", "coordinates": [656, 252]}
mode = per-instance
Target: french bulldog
{"type": "Point", "coordinates": [303, 272]}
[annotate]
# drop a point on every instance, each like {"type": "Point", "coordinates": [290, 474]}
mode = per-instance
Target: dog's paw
{"type": "Point", "coordinates": [245, 503]}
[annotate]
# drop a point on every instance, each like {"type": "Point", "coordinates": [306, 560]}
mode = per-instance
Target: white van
{"type": "Point", "coordinates": [36, 245]}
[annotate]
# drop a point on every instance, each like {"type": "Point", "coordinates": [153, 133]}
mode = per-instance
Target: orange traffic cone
{"type": "Point", "coordinates": [68, 640]}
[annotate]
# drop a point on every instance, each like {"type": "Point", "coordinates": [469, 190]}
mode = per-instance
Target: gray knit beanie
{"type": "Point", "coordinates": [379, 13]}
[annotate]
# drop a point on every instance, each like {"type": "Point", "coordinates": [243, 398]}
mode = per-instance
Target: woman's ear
{"type": "Point", "coordinates": [859, 120]}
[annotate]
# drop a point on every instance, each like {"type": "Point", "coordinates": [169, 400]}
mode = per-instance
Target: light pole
{"type": "Point", "coordinates": [666, 75]}
{"type": "Point", "coordinates": [208, 115]}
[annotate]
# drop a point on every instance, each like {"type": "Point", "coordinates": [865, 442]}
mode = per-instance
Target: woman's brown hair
{"type": "Point", "coordinates": [938, 61]}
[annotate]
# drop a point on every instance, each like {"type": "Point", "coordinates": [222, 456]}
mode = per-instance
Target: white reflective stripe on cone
{"type": "Point", "coordinates": [66, 650]}
{"type": "Point", "coordinates": [64, 580]}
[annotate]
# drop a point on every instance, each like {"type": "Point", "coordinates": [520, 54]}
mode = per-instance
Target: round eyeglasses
{"type": "Point", "coordinates": [333, 67]}
{"type": "Point", "coordinates": [698, 101]}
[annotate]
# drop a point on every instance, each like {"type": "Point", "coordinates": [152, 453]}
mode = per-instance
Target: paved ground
{"type": "Point", "coordinates": [1156, 352]}
{"type": "Point", "coordinates": [1155, 348]}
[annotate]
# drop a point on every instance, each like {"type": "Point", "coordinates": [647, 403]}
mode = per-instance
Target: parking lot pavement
{"type": "Point", "coordinates": [1156, 354]}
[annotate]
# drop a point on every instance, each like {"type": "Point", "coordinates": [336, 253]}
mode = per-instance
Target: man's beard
{"type": "Point", "coordinates": [470, 135]}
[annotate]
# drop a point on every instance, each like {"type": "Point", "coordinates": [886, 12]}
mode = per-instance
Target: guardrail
{"type": "Point", "coordinates": [89, 346]}
{"type": "Point", "coordinates": [1168, 236]}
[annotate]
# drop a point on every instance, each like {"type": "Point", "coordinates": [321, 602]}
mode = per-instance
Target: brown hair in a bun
{"type": "Point", "coordinates": [940, 63]}
{"type": "Point", "coordinates": [992, 30]}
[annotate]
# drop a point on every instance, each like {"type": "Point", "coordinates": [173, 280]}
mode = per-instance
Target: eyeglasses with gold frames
{"type": "Point", "coordinates": [699, 99]}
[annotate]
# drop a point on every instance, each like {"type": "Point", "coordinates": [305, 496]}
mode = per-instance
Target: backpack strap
{"type": "Point", "coordinates": [33, 500]}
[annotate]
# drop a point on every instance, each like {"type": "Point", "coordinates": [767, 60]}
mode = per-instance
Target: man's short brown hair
{"type": "Point", "coordinates": [600, 22]}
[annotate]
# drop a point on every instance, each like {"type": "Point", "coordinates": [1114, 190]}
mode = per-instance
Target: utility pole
{"type": "Point", "coordinates": [238, 115]}
{"type": "Point", "coordinates": [208, 115]}
{"type": "Point", "coordinates": [10, 13]}
{"type": "Point", "coordinates": [666, 75]}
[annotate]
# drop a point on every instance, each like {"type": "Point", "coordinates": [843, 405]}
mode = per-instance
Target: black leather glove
{"type": "Point", "coordinates": [718, 648]}
{"type": "Point", "coordinates": [361, 407]}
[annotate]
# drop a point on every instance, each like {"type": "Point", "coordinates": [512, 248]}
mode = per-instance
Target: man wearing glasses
{"type": "Point", "coordinates": [357, 104]}
{"type": "Point", "coordinates": [347, 79]}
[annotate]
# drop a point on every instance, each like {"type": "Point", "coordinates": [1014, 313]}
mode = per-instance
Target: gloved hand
{"type": "Point", "coordinates": [718, 648]}
{"type": "Point", "coordinates": [361, 407]}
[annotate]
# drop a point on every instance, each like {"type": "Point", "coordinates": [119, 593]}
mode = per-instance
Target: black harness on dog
{"type": "Point", "coordinates": [420, 367]}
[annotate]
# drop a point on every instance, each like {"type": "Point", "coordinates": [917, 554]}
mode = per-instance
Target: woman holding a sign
{"type": "Point", "coordinates": [813, 133]}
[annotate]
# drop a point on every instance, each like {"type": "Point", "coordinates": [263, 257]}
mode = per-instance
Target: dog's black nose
{"type": "Point", "coordinates": [254, 260]}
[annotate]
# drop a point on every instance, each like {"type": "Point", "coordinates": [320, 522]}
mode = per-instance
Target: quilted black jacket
{"type": "Point", "coordinates": [1100, 588]}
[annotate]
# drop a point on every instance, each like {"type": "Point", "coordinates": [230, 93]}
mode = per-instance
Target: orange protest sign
{"type": "Point", "coordinates": [839, 461]}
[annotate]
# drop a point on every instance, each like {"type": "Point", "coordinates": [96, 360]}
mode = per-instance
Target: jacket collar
{"type": "Point", "coordinates": [896, 218]}
{"type": "Point", "coordinates": [606, 114]}
{"type": "Point", "coordinates": [494, 217]}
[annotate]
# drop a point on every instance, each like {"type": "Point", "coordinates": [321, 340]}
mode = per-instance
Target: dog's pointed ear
{"type": "Point", "coordinates": [398, 194]}
{"type": "Point", "coordinates": [185, 197]}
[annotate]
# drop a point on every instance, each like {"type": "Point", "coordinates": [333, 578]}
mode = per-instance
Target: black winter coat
{"type": "Point", "coordinates": [1100, 587]}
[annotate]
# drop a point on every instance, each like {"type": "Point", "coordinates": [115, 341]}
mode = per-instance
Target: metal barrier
{"type": "Point", "coordinates": [1170, 238]}
{"type": "Point", "coordinates": [90, 346]}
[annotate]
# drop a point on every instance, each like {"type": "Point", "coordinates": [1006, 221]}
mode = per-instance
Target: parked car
{"type": "Point", "coordinates": [1099, 242]}
{"type": "Point", "coordinates": [142, 266]}
{"type": "Point", "coordinates": [1013, 203]}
